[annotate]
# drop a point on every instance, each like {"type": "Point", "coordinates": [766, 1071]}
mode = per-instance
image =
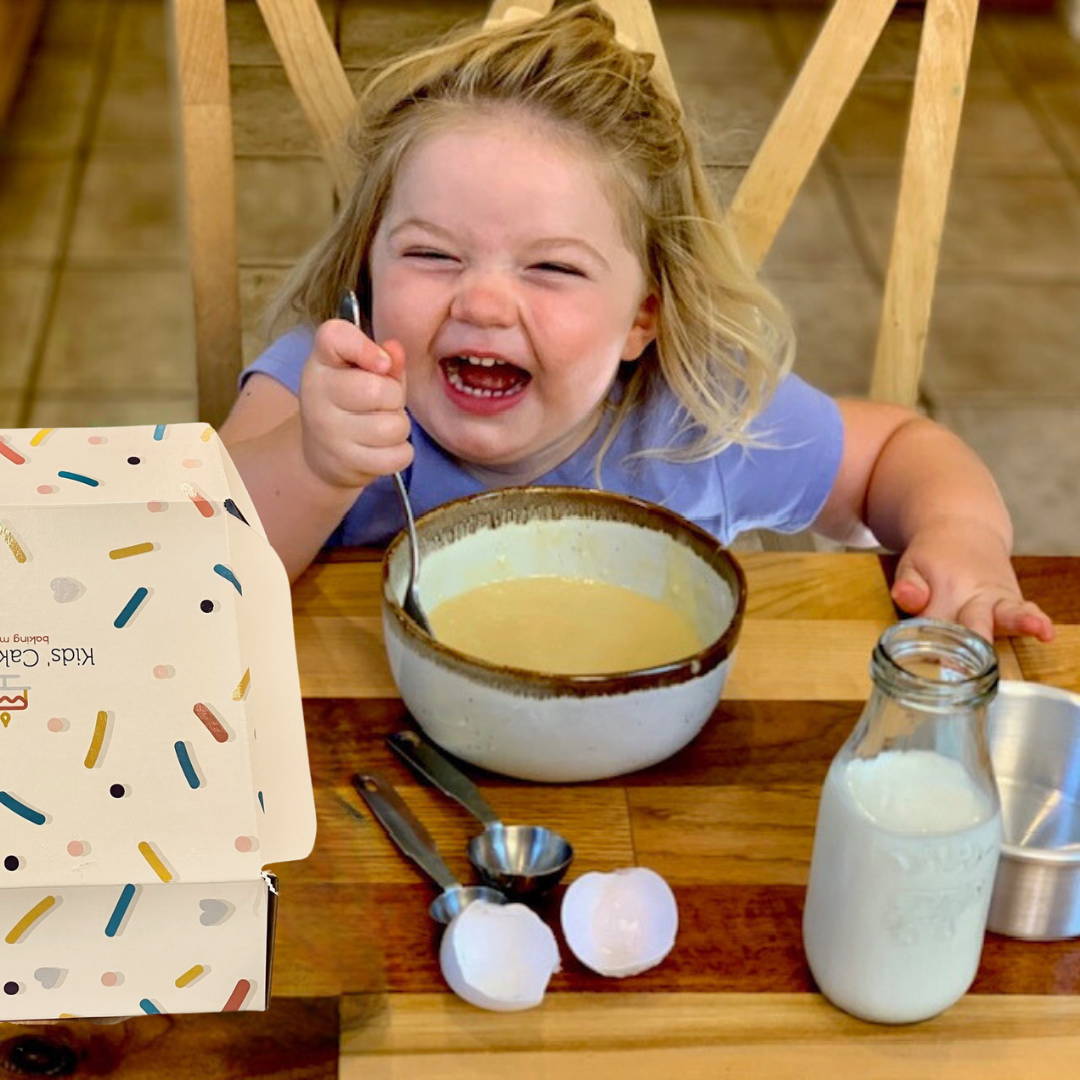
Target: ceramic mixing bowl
{"type": "Point", "coordinates": [550, 727]}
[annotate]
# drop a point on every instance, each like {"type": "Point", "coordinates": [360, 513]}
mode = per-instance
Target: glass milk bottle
{"type": "Point", "coordinates": [908, 832]}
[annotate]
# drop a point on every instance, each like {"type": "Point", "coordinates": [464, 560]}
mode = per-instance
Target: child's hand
{"type": "Point", "coordinates": [352, 407]}
{"type": "Point", "coordinates": [959, 569]}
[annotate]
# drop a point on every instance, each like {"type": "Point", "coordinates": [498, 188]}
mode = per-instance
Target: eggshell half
{"type": "Point", "coordinates": [498, 956]}
{"type": "Point", "coordinates": [620, 923]}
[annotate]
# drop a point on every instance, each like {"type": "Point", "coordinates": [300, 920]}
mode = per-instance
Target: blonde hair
{"type": "Point", "coordinates": [723, 340]}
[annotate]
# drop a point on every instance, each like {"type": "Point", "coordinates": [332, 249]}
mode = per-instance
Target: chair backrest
{"type": "Point", "coordinates": [757, 210]}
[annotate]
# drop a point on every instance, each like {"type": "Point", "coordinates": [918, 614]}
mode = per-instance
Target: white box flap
{"type": "Point", "coordinates": [150, 721]}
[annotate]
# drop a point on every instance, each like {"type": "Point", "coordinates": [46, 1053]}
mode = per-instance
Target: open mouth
{"type": "Point", "coordinates": [484, 376]}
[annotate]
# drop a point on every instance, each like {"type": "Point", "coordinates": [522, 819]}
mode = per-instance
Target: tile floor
{"type": "Point", "coordinates": [95, 323]}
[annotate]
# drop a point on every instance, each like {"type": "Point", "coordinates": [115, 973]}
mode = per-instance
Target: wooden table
{"type": "Point", "coordinates": [729, 822]}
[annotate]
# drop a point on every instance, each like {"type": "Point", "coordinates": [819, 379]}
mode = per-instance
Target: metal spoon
{"type": "Point", "coordinates": [415, 842]}
{"type": "Point", "coordinates": [349, 310]}
{"type": "Point", "coordinates": [521, 860]}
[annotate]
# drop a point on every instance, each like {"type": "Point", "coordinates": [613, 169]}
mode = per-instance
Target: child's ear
{"type": "Point", "coordinates": [643, 330]}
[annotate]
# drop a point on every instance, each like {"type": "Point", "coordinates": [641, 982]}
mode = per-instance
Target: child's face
{"type": "Point", "coordinates": [500, 244]}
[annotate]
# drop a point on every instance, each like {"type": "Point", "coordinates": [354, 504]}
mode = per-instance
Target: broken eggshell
{"type": "Point", "coordinates": [498, 956]}
{"type": "Point", "coordinates": [620, 923]}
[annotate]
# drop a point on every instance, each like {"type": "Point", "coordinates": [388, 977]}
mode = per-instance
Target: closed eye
{"type": "Point", "coordinates": [559, 268]}
{"type": "Point", "coordinates": [427, 253]}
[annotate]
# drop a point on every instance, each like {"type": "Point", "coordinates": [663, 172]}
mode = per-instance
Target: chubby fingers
{"type": "Point", "coordinates": [1022, 617]}
{"type": "Point", "coordinates": [1005, 616]}
{"type": "Point", "coordinates": [339, 344]}
{"type": "Point", "coordinates": [910, 591]}
{"type": "Point", "coordinates": [352, 407]}
{"type": "Point", "coordinates": [396, 353]}
{"type": "Point", "coordinates": [357, 376]}
{"type": "Point", "coordinates": [988, 612]}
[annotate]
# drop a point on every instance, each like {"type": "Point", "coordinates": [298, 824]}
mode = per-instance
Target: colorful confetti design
{"type": "Point", "coordinates": [129, 609]}
{"type": "Point", "coordinates": [11, 454]}
{"type": "Point", "coordinates": [127, 894]}
{"type": "Point", "coordinates": [236, 998]}
{"type": "Point", "coordinates": [223, 571]}
{"type": "Point", "coordinates": [210, 722]}
{"type": "Point", "coordinates": [159, 432]}
{"type": "Point", "coordinates": [89, 481]}
{"type": "Point", "coordinates": [97, 740]}
{"type": "Point", "coordinates": [188, 769]}
{"type": "Point", "coordinates": [242, 686]}
{"type": "Point", "coordinates": [133, 549]}
{"type": "Point", "coordinates": [28, 920]}
{"type": "Point", "coordinates": [200, 501]}
{"type": "Point", "coordinates": [24, 811]}
{"type": "Point", "coordinates": [235, 511]}
{"type": "Point", "coordinates": [190, 975]}
{"type": "Point", "coordinates": [14, 546]}
{"type": "Point", "coordinates": [192, 757]}
{"type": "Point", "coordinates": [154, 859]}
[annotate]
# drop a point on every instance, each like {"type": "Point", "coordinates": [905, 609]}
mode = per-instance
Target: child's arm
{"type": "Point", "coordinates": [924, 492]}
{"type": "Point", "coordinates": [305, 461]}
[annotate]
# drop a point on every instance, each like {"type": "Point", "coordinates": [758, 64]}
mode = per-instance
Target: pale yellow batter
{"type": "Point", "coordinates": [564, 626]}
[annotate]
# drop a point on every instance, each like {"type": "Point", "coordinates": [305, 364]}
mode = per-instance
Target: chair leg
{"type": "Point", "coordinates": [940, 77]}
{"type": "Point", "coordinates": [796, 134]}
{"type": "Point", "coordinates": [201, 59]}
{"type": "Point", "coordinates": [516, 9]}
{"type": "Point", "coordinates": [318, 79]}
{"type": "Point", "coordinates": [636, 24]}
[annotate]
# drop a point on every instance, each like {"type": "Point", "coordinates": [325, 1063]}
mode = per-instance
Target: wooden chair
{"type": "Point", "coordinates": [758, 209]}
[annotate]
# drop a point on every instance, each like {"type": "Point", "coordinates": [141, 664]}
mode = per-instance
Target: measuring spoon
{"type": "Point", "coordinates": [521, 860]}
{"type": "Point", "coordinates": [415, 842]}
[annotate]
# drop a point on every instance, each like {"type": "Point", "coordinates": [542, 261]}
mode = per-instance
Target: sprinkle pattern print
{"type": "Point", "coordinates": [129, 835]}
{"type": "Point", "coordinates": [34, 915]}
{"type": "Point", "coordinates": [123, 904]}
{"type": "Point", "coordinates": [12, 542]}
{"type": "Point", "coordinates": [11, 453]}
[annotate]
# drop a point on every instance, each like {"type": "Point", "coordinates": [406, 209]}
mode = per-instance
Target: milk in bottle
{"type": "Point", "coordinates": [908, 832]}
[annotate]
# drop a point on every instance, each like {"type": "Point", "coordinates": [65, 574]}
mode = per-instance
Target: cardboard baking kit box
{"type": "Point", "coordinates": [152, 750]}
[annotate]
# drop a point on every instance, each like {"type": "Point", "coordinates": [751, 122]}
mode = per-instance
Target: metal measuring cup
{"type": "Point", "coordinates": [521, 860]}
{"type": "Point", "coordinates": [416, 843]}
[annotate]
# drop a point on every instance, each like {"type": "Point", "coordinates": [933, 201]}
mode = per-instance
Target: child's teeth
{"type": "Point", "coordinates": [482, 361]}
{"type": "Point", "coordinates": [457, 383]}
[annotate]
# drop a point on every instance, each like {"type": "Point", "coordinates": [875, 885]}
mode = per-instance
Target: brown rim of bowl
{"type": "Point", "coordinates": [647, 514]}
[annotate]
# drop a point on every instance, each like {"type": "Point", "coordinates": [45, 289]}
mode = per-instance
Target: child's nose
{"type": "Point", "coordinates": [484, 299]}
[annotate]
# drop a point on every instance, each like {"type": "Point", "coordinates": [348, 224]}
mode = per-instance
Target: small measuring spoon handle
{"type": "Point", "coordinates": [404, 829]}
{"type": "Point", "coordinates": [427, 761]}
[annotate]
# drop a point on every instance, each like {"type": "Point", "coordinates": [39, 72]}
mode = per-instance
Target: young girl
{"type": "Point", "coordinates": [546, 287]}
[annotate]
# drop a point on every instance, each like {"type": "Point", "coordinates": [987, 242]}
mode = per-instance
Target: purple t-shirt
{"type": "Point", "coordinates": [780, 486]}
